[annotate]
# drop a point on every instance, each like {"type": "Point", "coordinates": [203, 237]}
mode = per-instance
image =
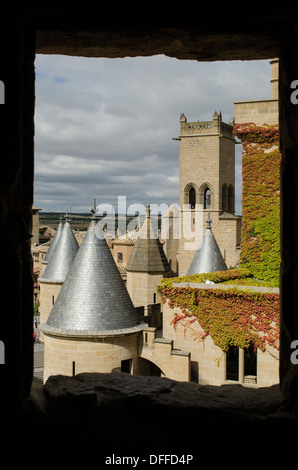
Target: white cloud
{"type": "Point", "coordinates": [104, 127]}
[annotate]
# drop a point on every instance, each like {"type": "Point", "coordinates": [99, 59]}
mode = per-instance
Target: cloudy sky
{"type": "Point", "coordinates": [104, 127]}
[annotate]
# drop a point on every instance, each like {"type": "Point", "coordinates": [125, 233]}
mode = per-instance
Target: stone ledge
{"type": "Point", "coordinates": [121, 413]}
{"type": "Point", "coordinates": [198, 285]}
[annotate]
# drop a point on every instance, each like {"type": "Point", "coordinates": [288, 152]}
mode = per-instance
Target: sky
{"type": "Point", "coordinates": [104, 128]}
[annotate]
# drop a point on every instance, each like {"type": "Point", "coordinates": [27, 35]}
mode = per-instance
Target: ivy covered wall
{"type": "Point", "coordinates": [232, 316]}
{"type": "Point", "coordinates": [260, 240]}
{"type": "Point", "coordinates": [235, 316]}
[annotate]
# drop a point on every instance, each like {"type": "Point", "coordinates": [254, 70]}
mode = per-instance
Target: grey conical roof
{"type": "Point", "coordinates": [208, 257]}
{"type": "Point", "coordinates": [53, 243]}
{"type": "Point", "coordinates": [93, 299]}
{"type": "Point", "coordinates": [147, 254]}
{"type": "Point", "coordinates": [62, 256]}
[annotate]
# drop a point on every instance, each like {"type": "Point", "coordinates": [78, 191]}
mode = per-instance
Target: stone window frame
{"type": "Point", "coordinates": [202, 191]}
{"type": "Point", "coordinates": [187, 189]}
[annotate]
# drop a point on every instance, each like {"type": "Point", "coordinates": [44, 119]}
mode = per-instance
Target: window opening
{"type": "Point", "coordinates": [207, 199]}
{"type": "Point", "coordinates": [232, 364]}
{"type": "Point", "coordinates": [207, 205]}
{"type": "Point", "coordinates": [120, 257]}
{"type": "Point", "coordinates": [192, 198]}
{"type": "Point", "coordinates": [194, 371]}
{"type": "Point", "coordinates": [250, 362]}
{"type": "Point", "coordinates": [126, 366]}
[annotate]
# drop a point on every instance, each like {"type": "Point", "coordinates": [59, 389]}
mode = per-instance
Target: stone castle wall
{"type": "Point", "coordinates": [89, 355]}
{"type": "Point", "coordinates": [142, 286]}
{"type": "Point", "coordinates": [208, 359]}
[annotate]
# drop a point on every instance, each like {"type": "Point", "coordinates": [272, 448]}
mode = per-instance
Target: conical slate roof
{"type": "Point", "coordinates": [208, 257]}
{"type": "Point", "coordinates": [147, 254]}
{"type": "Point", "coordinates": [62, 256]}
{"type": "Point", "coordinates": [93, 300]}
{"type": "Point", "coordinates": [53, 243]}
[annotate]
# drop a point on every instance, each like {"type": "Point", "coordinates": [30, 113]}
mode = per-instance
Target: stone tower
{"type": "Point", "coordinates": [207, 185]}
{"type": "Point", "coordinates": [93, 326]}
{"type": "Point", "coordinates": [56, 270]}
{"type": "Point", "coordinates": [146, 266]}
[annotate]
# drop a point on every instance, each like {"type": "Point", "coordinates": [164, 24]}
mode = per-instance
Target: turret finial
{"type": "Point", "coordinates": [67, 217]}
{"type": "Point", "coordinates": [208, 221]}
{"type": "Point", "coordinates": [93, 209]}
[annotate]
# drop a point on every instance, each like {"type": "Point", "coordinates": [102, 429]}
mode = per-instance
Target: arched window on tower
{"type": "Point", "coordinates": [207, 198]}
{"type": "Point", "coordinates": [192, 198]}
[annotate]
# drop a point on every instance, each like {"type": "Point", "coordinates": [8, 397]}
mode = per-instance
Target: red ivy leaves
{"type": "Point", "coordinates": [250, 132]}
{"type": "Point", "coordinates": [232, 317]}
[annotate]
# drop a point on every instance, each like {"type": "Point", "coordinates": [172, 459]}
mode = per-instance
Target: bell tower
{"type": "Point", "coordinates": [207, 185]}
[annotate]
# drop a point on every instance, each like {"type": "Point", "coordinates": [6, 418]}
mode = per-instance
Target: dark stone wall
{"type": "Point", "coordinates": [82, 32]}
{"type": "Point", "coordinates": [128, 415]}
{"type": "Point", "coordinates": [288, 113]}
{"type": "Point", "coordinates": [210, 39]}
{"type": "Point", "coordinates": [17, 45]}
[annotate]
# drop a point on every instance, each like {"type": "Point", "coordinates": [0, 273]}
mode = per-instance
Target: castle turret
{"type": "Point", "coordinates": [56, 270]}
{"type": "Point", "coordinates": [51, 247]}
{"type": "Point", "coordinates": [208, 257]}
{"type": "Point", "coordinates": [93, 307]}
{"type": "Point", "coordinates": [146, 266]}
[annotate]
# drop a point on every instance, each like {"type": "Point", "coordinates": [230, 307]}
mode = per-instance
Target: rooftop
{"type": "Point", "coordinates": [208, 257]}
{"type": "Point", "coordinates": [93, 300]}
{"type": "Point", "coordinates": [147, 254]}
{"type": "Point", "coordinates": [62, 256]}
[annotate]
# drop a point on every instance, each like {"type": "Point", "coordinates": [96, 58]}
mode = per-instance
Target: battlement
{"type": "Point", "coordinates": [216, 126]}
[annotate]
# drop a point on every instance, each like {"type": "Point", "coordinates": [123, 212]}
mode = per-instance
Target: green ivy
{"type": "Point", "coordinates": [240, 276]}
{"type": "Point", "coordinates": [260, 239]}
